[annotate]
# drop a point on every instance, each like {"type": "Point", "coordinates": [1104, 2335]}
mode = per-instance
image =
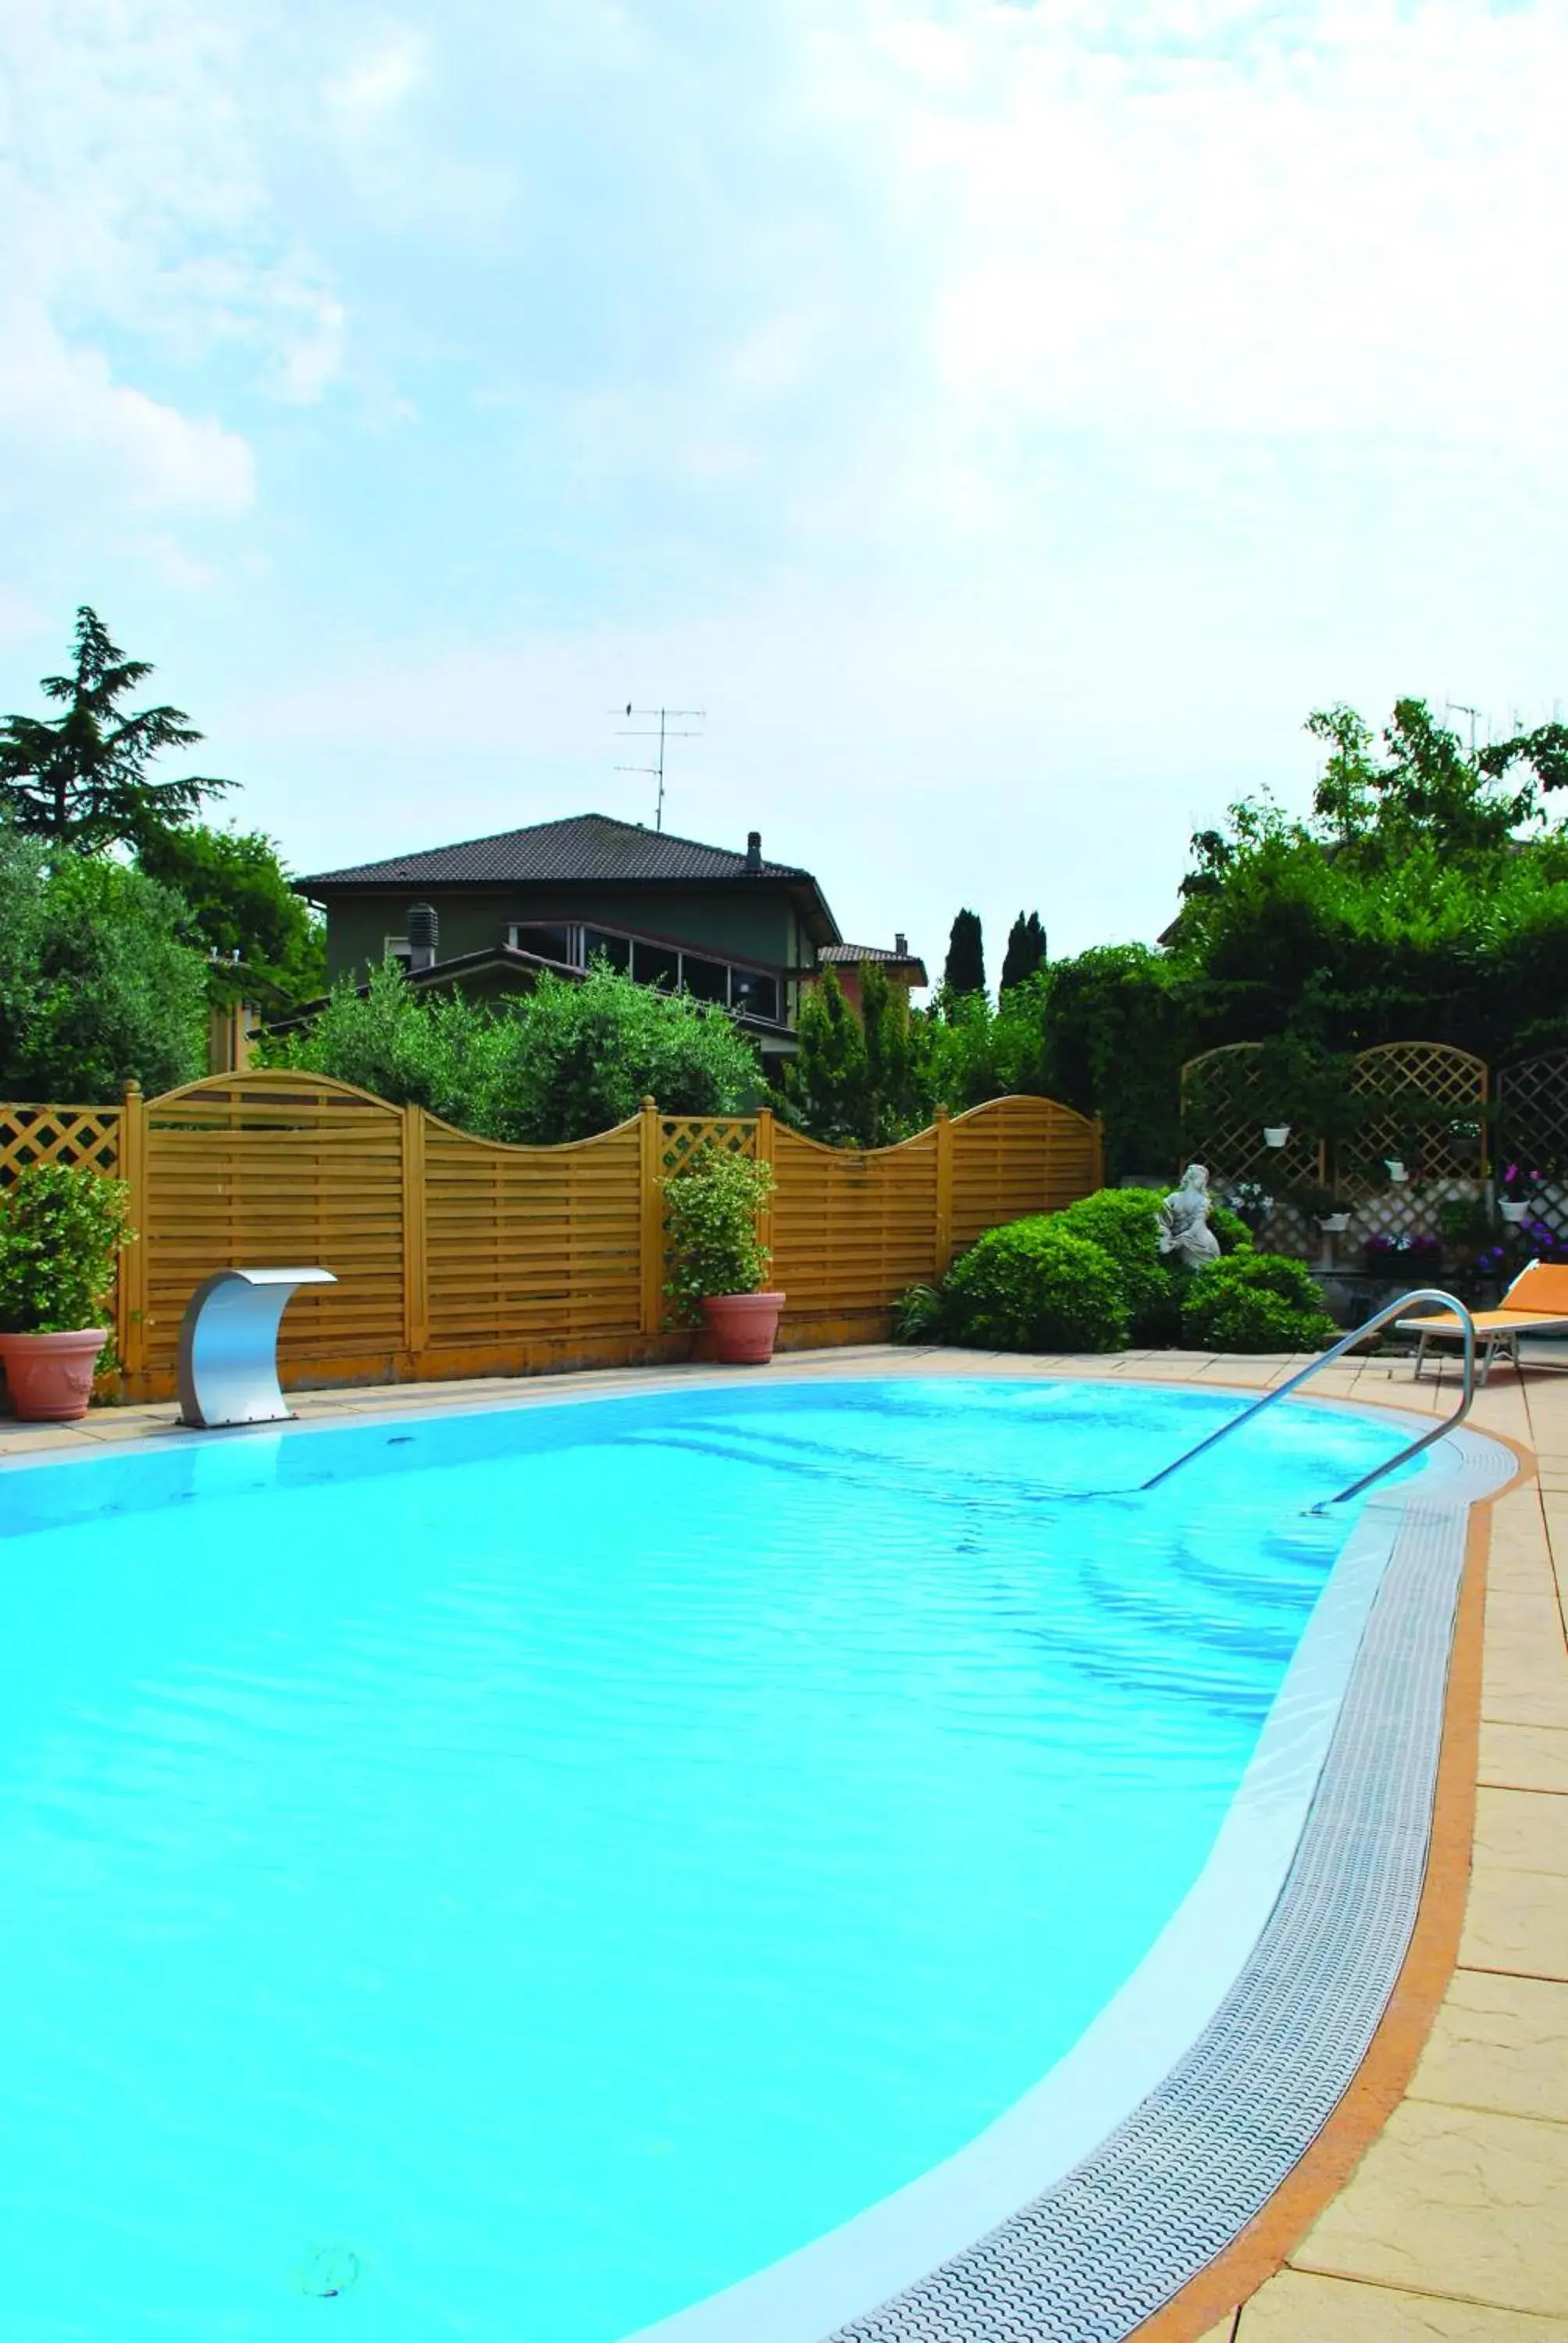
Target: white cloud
{"type": "Point", "coordinates": [378, 84]}
{"type": "Point", "coordinates": [147, 285]}
{"type": "Point", "coordinates": [74, 431]}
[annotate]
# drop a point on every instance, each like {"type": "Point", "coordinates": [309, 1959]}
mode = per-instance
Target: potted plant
{"type": "Point", "coordinates": [1518, 1196]}
{"type": "Point", "coordinates": [61, 1230]}
{"type": "Point", "coordinates": [718, 1261]}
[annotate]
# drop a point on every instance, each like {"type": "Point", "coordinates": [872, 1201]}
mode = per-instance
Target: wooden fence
{"type": "Point", "coordinates": [457, 1256]}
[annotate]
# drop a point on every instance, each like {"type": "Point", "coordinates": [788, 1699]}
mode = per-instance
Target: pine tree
{"type": "Point", "coordinates": [1025, 952]}
{"type": "Point", "coordinates": [82, 780]}
{"type": "Point", "coordinates": [965, 969]}
{"type": "Point", "coordinates": [896, 1102]}
{"type": "Point", "coordinates": [826, 1084]}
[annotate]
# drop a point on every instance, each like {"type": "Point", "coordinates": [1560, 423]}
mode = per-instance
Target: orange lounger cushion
{"type": "Point", "coordinates": [1486, 1321]}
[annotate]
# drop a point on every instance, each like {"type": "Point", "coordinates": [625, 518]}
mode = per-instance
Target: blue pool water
{"type": "Point", "coordinates": [506, 1877]}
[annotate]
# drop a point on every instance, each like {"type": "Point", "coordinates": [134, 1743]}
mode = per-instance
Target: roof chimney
{"type": "Point", "coordinates": [424, 935]}
{"type": "Point", "coordinates": [902, 944]}
{"type": "Point", "coordinates": [753, 851]}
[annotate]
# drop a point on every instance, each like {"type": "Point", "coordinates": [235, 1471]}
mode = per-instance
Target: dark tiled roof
{"type": "Point", "coordinates": [852, 955]}
{"type": "Point", "coordinates": [581, 847]}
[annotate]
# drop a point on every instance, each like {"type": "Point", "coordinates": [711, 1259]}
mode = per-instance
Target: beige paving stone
{"type": "Point", "coordinates": [1524, 1757]}
{"type": "Point", "coordinates": [1454, 2201]}
{"type": "Point", "coordinates": [1515, 1921]}
{"type": "Point", "coordinates": [1499, 2042]}
{"type": "Point", "coordinates": [1223, 2333]}
{"type": "Point", "coordinates": [1526, 1830]}
{"type": "Point", "coordinates": [1297, 2307]}
{"type": "Point", "coordinates": [1524, 1663]}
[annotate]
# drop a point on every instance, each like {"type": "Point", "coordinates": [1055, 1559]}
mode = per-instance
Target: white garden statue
{"type": "Point", "coordinates": [1184, 1228]}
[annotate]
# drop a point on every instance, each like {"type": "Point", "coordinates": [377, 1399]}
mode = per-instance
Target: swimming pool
{"type": "Point", "coordinates": [518, 1874]}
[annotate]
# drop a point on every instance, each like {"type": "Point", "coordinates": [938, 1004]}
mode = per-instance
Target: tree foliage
{"type": "Point", "coordinates": [97, 984]}
{"type": "Point", "coordinates": [562, 1062]}
{"type": "Point", "coordinates": [857, 1082]}
{"type": "Point", "coordinates": [82, 780]}
{"type": "Point", "coordinates": [965, 969]}
{"type": "Point", "coordinates": [271, 948]}
{"type": "Point", "coordinates": [1026, 951]}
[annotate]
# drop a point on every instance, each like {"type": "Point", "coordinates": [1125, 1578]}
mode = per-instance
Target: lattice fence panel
{"type": "Point", "coordinates": [1532, 1133]}
{"type": "Point", "coordinates": [1223, 1119]}
{"type": "Point", "coordinates": [680, 1137]}
{"type": "Point", "coordinates": [58, 1134]}
{"type": "Point", "coordinates": [1430, 1103]}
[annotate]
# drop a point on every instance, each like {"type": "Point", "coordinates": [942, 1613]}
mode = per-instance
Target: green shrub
{"type": "Point", "coordinates": [61, 1231]}
{"type": "Point", "coordinates": [569, 1059]}
{"type": "Point", "coordinates": [1256, 1302]}
{"type": "Point", "coordinates": [1125, 1223]}
{"type": "Point", "coordinates": [1230, 1228]}
{"type": "Point", "coordinates": [711, 1205]}
{"type": "Point", "coordinates": [1035, 1286]}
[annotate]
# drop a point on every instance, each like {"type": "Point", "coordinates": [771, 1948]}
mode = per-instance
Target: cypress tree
{"type": "Point", "coordinates": [1025, 951]}
{"type": "Point", "coordinates": [965, 969]}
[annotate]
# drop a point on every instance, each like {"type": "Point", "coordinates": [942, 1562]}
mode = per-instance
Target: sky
{"type": "Point", "coordinates": [1006, 422]}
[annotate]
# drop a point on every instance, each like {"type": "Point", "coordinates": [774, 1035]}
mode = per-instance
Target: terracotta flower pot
{"type": "Point", "coordinates": [743, 1326]}
{"type": "Point", "coordinates": [50, 1376]}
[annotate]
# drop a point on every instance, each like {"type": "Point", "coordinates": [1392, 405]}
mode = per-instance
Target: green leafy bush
{"type": "Point", "coordinates": [61, 1231]}
{"type": "Point", "coordinates": [1035, 1286]}
{"type": "Point", "coordinates": [711, 1205]}
{"type": "Point", "coordinates": [561, 1062]}
{"type": "Point", "coordinates": [1256, 1302]}
{"type": "Point", "coordinates": [1230, 1228]}
{"type": "Point", "coordinates": [1125, 1223]}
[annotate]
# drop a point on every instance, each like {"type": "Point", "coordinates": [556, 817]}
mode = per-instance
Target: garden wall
{"type": "Point", "coordinates": [458, 1256]}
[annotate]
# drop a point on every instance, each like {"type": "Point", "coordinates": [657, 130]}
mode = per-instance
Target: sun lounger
{"type": "Point", "coordinates": [1535, 1303]}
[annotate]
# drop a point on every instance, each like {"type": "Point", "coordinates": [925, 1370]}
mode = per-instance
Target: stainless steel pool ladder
{"type": "Point", "coordinates": [1348, 1343]}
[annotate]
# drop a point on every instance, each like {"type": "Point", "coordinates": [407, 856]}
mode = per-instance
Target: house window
{"type": "Point", "coordinates": [602, 943]}
{"type": "Point", "coordinates": [551, 940]}
{"type": "Point", "coordinates": [705, 979]}
{"type": "Point", "coordinates": [656, 964]}
{"type": "Point", "coordinates": [754, 994]}
{"type": "Point", "coordinates": [397, 948]}
{"type": "Point", "coordinates": [746, 992]}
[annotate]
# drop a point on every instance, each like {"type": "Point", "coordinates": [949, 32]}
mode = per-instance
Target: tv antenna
{"type": "Point", "coordinates": [1458, 708]}
{"type": "Point", "coordinates": [668, 730]}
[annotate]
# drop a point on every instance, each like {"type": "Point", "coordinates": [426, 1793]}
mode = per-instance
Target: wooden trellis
{"type": "Point", "coordinates": [58, 1134]}
{"type": "Point", "coordinates": [1429, 1112]}
{"type": "Point", "coordinates": [1532, 1132]}
{"type": "Point", "coordinates": [1425, 1104]}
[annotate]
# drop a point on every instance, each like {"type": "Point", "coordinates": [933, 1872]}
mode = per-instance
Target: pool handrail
{"type": "Point", "coordinates": [1325, 1359]}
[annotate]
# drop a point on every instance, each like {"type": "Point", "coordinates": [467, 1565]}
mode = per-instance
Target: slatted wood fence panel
{"type": "Point", "coordinates": [850, 1230]}
{"type": "Point", "coordinates": [525, 1243]}
{"type": "Point", "coordinates": [455, 1255]}
{"type": "Point", "coordinates": [269, 1172]}
{"type": "Point", "coordinates": [1019, 1155]}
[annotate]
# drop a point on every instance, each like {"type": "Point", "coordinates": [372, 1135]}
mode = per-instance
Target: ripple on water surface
{"type": "Point", "coordinates": [513, 1875]}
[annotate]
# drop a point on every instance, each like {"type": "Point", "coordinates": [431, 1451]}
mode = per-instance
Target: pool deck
{"type": "Point", "coordinates": [1438, 2205]}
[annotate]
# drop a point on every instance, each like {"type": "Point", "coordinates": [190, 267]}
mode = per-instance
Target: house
{"type": "Point", "coordinates": [899, 966]}
{"type": "Point", "coordinates": [491, 914]}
